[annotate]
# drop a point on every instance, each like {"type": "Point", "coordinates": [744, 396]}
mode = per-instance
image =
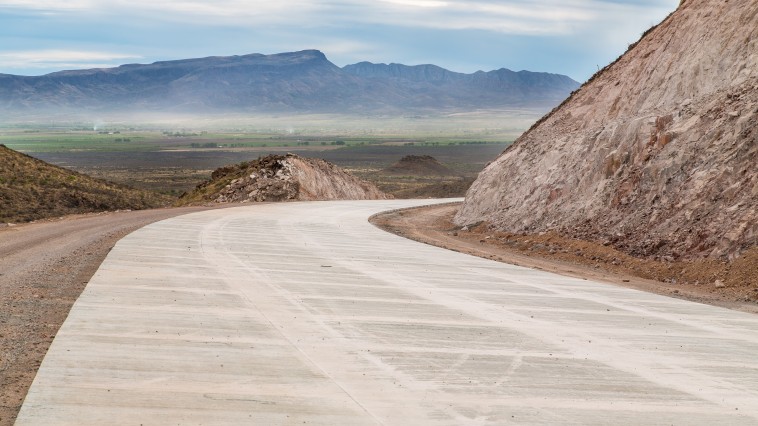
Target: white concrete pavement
{"type": "Point", "coordinates": [305, 313]}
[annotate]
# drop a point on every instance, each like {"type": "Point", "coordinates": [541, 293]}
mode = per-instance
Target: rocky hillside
{"type": "Point", "coordinates": [303, 81]}
{"type": "Point", "coordinates": [282, 178]}
{"type": "Point", "coordinates": [656, 155]}
{"type": "Point", "coordinates": [31, 189]}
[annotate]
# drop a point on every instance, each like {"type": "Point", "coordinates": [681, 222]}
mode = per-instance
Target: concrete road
{"type": "Point", "coordinates": [304, 313]}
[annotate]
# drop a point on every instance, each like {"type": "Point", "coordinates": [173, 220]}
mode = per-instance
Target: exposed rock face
{"type": "Point", "coordinates": [657, 154]}
{"type": "Point", "coordinates": [418, 165]}
{"type": "Point", "coordinates": [284, 178]}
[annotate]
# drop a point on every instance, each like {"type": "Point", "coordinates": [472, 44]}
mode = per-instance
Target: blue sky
{"type": "Point", "coordinates": [572, 37]}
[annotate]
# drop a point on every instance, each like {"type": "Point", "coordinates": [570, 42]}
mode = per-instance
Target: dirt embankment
{"type": "Point", "coordinates": [282, 178]}
{"type": "Point", "coordinates": [422, 176]}
{"type": "Point", "coordinates": [449, 188]}
{"type": "Point", "coordinates": [418, 165]}
{"type": "Point", "coordinates": [655, 156]}
{"type": "Point", "coordinates": [728, 284]}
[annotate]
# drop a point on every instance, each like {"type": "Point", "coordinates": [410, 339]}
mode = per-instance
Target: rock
{"type": "Point", "coordinates": [647, 154]}
{"type": "Point", "coordinates": [284, 178]}
{"type": "Point", "coordinates": [719, 284]}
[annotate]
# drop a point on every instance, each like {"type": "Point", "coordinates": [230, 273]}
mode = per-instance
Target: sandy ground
{"type": "Point", "coordinates": [432, 225]}
{"type": "Point", "coordinates": [44, 266]}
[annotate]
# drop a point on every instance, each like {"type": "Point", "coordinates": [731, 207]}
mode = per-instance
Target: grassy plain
{"type": "Point", "coordinates": [172, 155]}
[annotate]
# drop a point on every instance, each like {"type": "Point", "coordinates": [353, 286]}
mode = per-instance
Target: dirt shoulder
{"type": "Point", "coordinates": [733, 286]}
{"type": "Point", "coordinates": [44, 266]}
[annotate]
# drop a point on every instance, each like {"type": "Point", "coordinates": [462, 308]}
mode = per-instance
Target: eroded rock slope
{"type": "Point", "coordinates": [282, 178]}
{"type": "Point", "coordinates": [656, 155]}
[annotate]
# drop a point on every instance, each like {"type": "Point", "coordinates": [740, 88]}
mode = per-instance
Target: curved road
{"type": "Point", "coordinates": [305, 313]}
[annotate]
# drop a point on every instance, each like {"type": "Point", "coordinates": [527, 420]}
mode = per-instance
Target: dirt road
{"type": "Point", "coordinates": [44, 266]}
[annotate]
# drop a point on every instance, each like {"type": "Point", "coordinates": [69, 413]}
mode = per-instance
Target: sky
{"type": "Point", "coordinates": [571, 37]}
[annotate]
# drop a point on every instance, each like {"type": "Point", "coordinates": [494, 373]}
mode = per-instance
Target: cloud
{"type": "Point", "coordinates": [60, 59]}
{"type": "Point", "coordinates": [235, 9]}
{"type": "Point", "coordinates": [48, 5]}
{"type": "Point", "coordinates": [512, 16]}
{"type": "Point", "coordinates": [504, 16]}
{"type": "Point", "coordinates": [417, 3]}
{"type": "Point", "coordinates": [567, 36]}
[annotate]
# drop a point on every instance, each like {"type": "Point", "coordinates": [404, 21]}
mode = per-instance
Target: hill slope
{"type": "Point", "coordinates": [418, 165]}
{"type": "Point", "coordinates": [31, 189]}
{"type": "Point", "coordinates": [303, 81]}
{"type": "Point", "coordinates": [655, 155]}
{"type": "Point", "coordinates": [282, 178]}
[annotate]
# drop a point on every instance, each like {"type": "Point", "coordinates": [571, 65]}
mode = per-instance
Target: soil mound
{"type": "Point", "coordinates": [656, 155]}
{"type": "Point", "coordinates": [418, 165]}
{"type": "Point", "coordinates": [282, 178]}
{"type": "Point", "coordinates": [445, 189]}
{"type": "Point", "coordinates": [31, 189]}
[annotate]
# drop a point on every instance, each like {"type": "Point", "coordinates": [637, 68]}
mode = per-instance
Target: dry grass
{"type": "Point", "coordinates": [31, 189]}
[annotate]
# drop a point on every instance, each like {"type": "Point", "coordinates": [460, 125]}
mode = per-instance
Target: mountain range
{"type": "Point", "coordinates": [304, 81]}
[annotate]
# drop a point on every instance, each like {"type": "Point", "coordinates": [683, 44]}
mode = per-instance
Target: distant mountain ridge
{"type": "Point", "coordinates": [304, 81]}
{"type": "Point", "coordinates": [436, 74]}
{"type": "Point", "coordinates": [427, 72]}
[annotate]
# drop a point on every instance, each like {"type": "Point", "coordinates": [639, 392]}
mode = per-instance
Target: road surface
{"type": "Point", "coordinates": [44, 267]}
{"type": "Point", "coordinates": [300, 313]}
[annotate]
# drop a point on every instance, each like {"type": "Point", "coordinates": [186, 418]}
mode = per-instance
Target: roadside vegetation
{"type": "Point", "coordinates": [31, 189]}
